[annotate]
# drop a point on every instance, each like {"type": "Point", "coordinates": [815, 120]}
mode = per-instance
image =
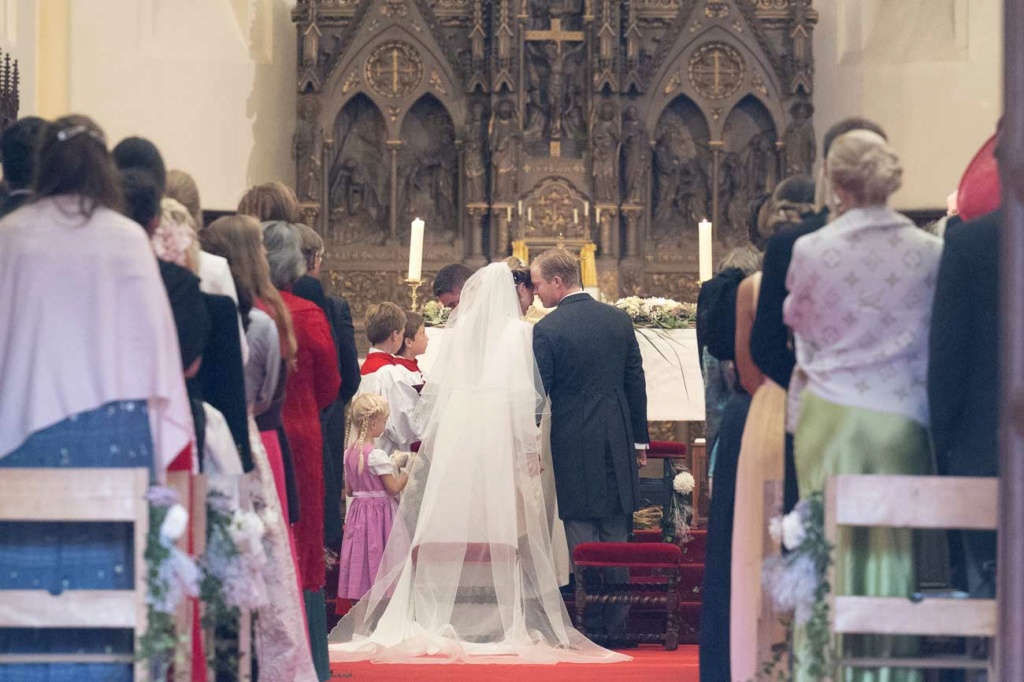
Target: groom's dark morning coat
{"type": "Point", "coordinates": [590, 363]}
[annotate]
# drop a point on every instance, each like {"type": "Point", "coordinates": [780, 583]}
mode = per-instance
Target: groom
{"type": "Point", "coordinates": [589, 361]}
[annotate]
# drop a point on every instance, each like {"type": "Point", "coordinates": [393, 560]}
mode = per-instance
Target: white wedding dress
{"type": "Point", "coordinates": [468, 573]}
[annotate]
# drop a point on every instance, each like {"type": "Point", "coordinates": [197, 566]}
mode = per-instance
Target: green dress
{"type": "Point", "coordinates": [832, 439]}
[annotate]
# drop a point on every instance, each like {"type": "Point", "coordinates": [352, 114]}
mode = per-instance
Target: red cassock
{"type": "Point", "coordinates": [312, 386]}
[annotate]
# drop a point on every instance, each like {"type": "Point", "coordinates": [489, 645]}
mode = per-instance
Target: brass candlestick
{"type": "Point", "coordinates": [414, 293]}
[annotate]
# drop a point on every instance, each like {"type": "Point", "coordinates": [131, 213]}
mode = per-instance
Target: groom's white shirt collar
{"type": "Point", "coordinates": [575, 293]}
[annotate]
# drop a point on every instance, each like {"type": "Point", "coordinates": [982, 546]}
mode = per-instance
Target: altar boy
{"type": "Point", "coordinates": [385, 328]}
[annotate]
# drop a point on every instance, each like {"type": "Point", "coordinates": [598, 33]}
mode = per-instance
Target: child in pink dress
{"type": "Point", "coordinates": [372, 479]}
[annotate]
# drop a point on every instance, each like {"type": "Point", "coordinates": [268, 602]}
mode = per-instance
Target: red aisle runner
{"type": "Point", "coordinates": [650, 663]}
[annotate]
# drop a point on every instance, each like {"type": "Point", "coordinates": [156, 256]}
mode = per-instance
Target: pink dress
{"type": "Point", "coordinates": [367, 522]}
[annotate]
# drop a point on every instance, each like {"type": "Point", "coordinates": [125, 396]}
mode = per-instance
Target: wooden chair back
{"type": "Point", "coordinates": [78, 496]}
{"type": "Point", "coordinates": [918, 502]}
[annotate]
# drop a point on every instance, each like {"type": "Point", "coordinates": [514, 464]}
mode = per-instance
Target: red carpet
{"type": "Point", "coordinates": [651, 663]}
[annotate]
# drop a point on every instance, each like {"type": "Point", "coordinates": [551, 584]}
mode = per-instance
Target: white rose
{"type": "Point", "coordinates": [775, 528]}
{"type": "Point", "coordinates": [793, 532]}
{"type": "Point", "coordinates": [174, 523]}
{"type": "Point", "coordinates": [683, 483]}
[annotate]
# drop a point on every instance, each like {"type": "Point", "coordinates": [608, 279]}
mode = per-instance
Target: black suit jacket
{"type": "Point", "coordinates": [769, 338]}
{"type": "Point", "coordinates": [222, 374]}
{"type": "Point", "coordinates": [189, 310]}
{"type": "Point", "coordinates": [590, 363]}
{"type": "Point", "coordinates": [333, 419]}
{"type": "Point", "coordinates": [963, 360]}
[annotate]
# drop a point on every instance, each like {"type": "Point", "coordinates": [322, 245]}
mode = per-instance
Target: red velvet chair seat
{"type": "Point", "coordinates": [631, 554]}
{"type": "Point", "coordinates": [660, 449]}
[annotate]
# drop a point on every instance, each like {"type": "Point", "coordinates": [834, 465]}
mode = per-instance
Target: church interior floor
{"type": "Point", "coordinates": [651, 663]}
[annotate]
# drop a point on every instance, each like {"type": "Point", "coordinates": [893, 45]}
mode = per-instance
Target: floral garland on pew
{"type": "Point", "coordinates": [232, 578]}
{"type": "Point", "coordinates": [172, 576]}
{"type": "Point", "coordinates": [675, 526]}
{"type": "Point", "coordinates": [658, 313]}
{"type": "Point", "coordinates": [228, 578]}
{"type": "Point", "coordinates": [797, 583]}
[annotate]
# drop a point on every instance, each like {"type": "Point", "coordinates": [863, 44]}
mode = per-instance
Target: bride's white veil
{"type": "Point", "coordinates": [468, 572]}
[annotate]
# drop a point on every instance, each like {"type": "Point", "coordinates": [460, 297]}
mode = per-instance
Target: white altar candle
{"type": "Point", "coordinates": [598, 215]}
{"type": "Point", "coordinates": [508, 213]}
{"type": "Point", "coordinates": [704, 249]}
{"type": "Point", "coordinates": [586, 209]}
{"type": "Point", "coordinates": [529, 214]}
{"type": "Point", "coordinates": [520, 207]}
{"type": "Point", "coordinates": [416, 250]}
{"type": "Point", "coordinates": [576, 216]}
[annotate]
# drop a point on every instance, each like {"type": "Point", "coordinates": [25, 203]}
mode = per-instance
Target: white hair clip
{"type": "Point", "coordinates": [67, 133]}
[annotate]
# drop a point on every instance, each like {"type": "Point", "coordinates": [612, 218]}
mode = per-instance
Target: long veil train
{"type": "Point", "coordinates": [468, 573]}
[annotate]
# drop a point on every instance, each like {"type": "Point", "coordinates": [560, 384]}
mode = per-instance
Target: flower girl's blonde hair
{"type": "Point", "coordinates": [364, 409]}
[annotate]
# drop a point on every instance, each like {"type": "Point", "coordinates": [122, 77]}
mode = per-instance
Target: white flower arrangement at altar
{"type": "Point", "coordinates": [658, 313]}
{"type": "Point", "coordinates": [435, 314]}
{"type": "Point", "coordinates": [797, 583]}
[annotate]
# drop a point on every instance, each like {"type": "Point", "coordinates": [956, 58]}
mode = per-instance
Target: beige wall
{"type": "Point", "coordinates": [211, 82]}
{"type": "Point", "coordinates": [930, 74]}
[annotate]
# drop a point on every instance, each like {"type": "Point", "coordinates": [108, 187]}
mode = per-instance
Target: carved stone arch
{"type": "Point", "coordinates": [435, 77]}
{"type": "Point", "coordinates": [428, 170]}
{"type": "Point", "coordinates": [749, 166]}
{"type": "Point", "coordinates": [683, 65]}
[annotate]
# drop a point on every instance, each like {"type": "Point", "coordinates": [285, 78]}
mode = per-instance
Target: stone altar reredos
{"type": "Point", "coordinates": [617, 122]}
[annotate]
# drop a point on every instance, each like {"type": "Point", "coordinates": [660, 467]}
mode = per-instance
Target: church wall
{"type": "Point", "coordinates": [930, 74]}
{"type": "Point", "coordinates": [211, 82]}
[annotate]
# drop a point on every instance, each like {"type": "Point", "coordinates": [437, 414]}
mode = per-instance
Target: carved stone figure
{"type": "Point", "coordinates": [681, 179]}
{"type": "Point", "coordinates": [504, 137]}
{"type": "Point", "coordinates": [801, 147]}
{"type": "Point", "coordinates": [759, 163]}
{"type": "Point", "coordinates": [560, 89]}
{"type": "Point", "coordinates": [358, 180]}
{"type": "Point", "coordinates": [307, 150]}
{"type": "Point", "coordinates": [604, 140]}
{"type": "Point", "coordinates": [475, 161]}
{"type": "Point", "coordinates": [635, 156]}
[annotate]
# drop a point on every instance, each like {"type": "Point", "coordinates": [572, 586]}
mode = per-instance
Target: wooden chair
{"type": "Point", "coordinates": [78, 496]}
{"type": "Point", "coordinates": [658, 587]}
{"type": "Point", "coordinates": [923, 502]}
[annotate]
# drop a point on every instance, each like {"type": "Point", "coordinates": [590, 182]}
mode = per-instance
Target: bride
{"type": "Point", "coordinates": [468, 573]}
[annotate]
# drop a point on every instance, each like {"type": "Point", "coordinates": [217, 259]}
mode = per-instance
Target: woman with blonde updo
{"type": "Point", "coordinates": [375, 483]}
{"type": "Point", "coordinates": [859, 305]}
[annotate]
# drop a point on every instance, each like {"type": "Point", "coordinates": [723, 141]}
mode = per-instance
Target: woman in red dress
{"type": "Point", "coordinates": [312, 386]}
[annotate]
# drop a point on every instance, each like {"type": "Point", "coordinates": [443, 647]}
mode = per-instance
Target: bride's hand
{"type": "Point", "coordinates": [533, 465]}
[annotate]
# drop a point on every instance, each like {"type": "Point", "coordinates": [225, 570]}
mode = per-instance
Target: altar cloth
{"type": "Point", "coordinates": [675, 388]}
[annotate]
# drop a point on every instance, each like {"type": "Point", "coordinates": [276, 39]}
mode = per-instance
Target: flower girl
{"type": "Point", "coordinates": [373, 480]}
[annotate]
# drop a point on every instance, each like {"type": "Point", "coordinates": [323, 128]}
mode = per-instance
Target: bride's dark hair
{"type": "Point", "coordinates": [520, 272]}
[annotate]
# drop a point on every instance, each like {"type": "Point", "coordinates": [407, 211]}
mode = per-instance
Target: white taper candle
{"type": "Point", "coordinates": [416, 250]}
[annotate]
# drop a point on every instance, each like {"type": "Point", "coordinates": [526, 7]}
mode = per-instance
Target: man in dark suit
{"type": "Point", "coordinates": [963, 373]}
{"type": "Point", "coordinates": [769, 338]}
{"type": "Point", "coordinates": [590, 363]}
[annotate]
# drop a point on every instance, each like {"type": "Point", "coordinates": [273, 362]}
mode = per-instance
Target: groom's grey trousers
{"type": "Point", "coordinates": [608, 618]}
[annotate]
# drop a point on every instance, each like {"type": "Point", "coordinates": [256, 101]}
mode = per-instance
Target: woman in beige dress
{"type": "Point", "coordinates": [754, 627]}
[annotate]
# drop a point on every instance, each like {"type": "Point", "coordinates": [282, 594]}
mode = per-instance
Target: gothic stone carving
{"type": "Point", "coordinates": [394, 69]}
{"type": "Point", "coordinates": [622, 123]}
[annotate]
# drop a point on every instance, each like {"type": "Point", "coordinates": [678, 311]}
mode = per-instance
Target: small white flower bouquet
{"type": "Point", "coordinates": [435, 314]}
{"type": "Point", "coordinates": [659, 313]}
